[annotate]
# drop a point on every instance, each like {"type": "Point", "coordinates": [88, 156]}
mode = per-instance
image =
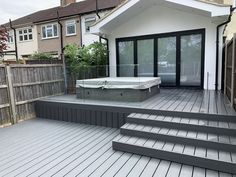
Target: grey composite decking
{"type": "Point", "coordinates": [207, 144]}
{"type": "Point", "coordinates": [180, 100]}
{"type": "Point", "coordinates": [185, 103]}
{"type": "Point", "coordinates": [40, 147]}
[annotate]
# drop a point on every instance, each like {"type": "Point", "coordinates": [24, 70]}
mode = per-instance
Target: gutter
{"type": "Point", "coordinates": [80, 31]}
{"type": "Point", "coordinates": [62, 51]}
{"type": "Point", "coordinates": [15, 39]}
{"type": "Point", "coordinates": [97, 9]}
{"type": "Point", "coordinates": [61, 33]}
{"type": "Point", "coordinates": [217, 45]}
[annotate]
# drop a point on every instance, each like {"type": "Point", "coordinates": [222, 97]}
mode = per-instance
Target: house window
{"type": "Point", "coordinates": [25, 34]}
{"type": "Point", "coordinates": [49, 31]}
{"type": "Point", "coordinates": [88, 22]}
{"type": "Point", "coordinates": [70, 27]}
{"type": "Point", "coordinates": [10, 37]}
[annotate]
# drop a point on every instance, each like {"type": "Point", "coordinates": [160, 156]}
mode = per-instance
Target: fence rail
{"type": "Point", "coordinates": [230, 71]}
{"type": "Point", "coordinates": [22, 85]}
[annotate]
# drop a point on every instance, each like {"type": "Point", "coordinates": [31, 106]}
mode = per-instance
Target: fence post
{"type": "Point", "coordinates": [233, 71]}
{"type": "Point", "coordinates": [11, 95]}
{"type": "Point", "coordinates": [226, 57]}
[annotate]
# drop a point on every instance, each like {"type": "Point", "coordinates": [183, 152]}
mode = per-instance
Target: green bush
{"type": "Point", "coordinates": [42, 56]}
{"type": "Point", "coordinates": [85, 58]}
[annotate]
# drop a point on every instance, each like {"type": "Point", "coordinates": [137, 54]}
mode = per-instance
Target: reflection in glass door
{"type": "Point", "coordinates": [126, 59]}
{"type": "Point", "coordinates": [190, 61]}
{"type": "Point", "coordinates": [145, 57]}
{"type": "Point", "coordinates": [167, 60]}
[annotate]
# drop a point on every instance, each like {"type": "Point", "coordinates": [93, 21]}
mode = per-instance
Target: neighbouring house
{"type": "Point", "coordinates": [41, 31]}
{"type": "Point", "coordinates": [176, 40]}
{"type": "Point", "coordinates": [26, 37]}
{"type": "Point", "coordinates": [230, 29]}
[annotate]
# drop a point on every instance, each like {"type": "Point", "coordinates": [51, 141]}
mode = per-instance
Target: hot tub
{"type": "Point", "coordinates": [132, 89]}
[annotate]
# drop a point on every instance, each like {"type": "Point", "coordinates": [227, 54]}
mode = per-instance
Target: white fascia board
{"type": "Point", "coordinates": [215, 10]}
{"type": "Point", "coordinates": [96, 28]}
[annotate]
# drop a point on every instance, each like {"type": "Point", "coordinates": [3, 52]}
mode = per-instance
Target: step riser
{"type": "Point", "coordinates": [188, 127]}
{"type": "Point", "coordinates": [175, 157]}
{"type": "Point", "coordinates": [190, 115]}
{"type": "Point", "coordinates": [181, 140]}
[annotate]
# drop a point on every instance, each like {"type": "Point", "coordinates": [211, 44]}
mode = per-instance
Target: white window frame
{"type": "Point", "coordinates": [234, 3]}
{"type": "Point", "coordinates": [70, 23]}
{"type": "Point", "coordinates": [10, 38]}
{"type": "Point", "coordinates": [22, 33]}
{"type": "Point", "coordinates": [88, 19]}
{"type": "Point", "coordinates": [46, 28]}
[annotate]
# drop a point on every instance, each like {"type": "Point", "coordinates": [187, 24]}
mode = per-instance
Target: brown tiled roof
{"type": "Point", "coordinates": [78, 8]}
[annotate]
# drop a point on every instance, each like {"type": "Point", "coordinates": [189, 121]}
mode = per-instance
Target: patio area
{"type": "Point", "coordinates": [40, 147]}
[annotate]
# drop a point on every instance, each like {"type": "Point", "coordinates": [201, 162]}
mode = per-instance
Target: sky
{"type": "Point", "coordinates": [13, 9]}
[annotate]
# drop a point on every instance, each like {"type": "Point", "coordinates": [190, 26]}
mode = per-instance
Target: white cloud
{"type": "Point", "coordinates": [18, 8]}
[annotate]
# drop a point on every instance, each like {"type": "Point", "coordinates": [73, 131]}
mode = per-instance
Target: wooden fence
{"type": "Point", "coordinates": [230, 71]}
{"type": "Point", "coordinates": [22, 85]}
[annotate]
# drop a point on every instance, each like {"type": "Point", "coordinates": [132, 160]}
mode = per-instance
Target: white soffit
{"type": "Point", "coordinates": [214, 9]}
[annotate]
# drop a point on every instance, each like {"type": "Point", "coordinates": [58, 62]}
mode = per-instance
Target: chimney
{"type": "Point", "coordinates": [67, 2]}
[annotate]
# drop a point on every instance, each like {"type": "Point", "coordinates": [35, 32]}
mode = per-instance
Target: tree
{"type": "Point", "coordinates": [3, 39]}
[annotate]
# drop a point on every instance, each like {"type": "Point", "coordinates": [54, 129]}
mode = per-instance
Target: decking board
{"type": "Point", "coordinates": [82, 150]}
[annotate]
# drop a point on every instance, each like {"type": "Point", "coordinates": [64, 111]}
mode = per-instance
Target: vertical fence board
{"type": "Point", "coordinates": [233, 71]}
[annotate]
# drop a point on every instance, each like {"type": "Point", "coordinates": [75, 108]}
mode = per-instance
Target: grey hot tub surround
{"type": "Point", "coordinates": [118, 89]}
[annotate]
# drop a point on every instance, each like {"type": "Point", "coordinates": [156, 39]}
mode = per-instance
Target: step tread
{"type": "Point", "coordinates": [217, 138]}
{"type": "Point", "coordinates": [190, 121]}
{"type": "Point", "coordinates": [200, 152]}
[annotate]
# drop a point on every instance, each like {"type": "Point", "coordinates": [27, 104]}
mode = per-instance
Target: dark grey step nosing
{"type": "Point", "coordinates": [183, 126]}
{"type": "Point", "coordinates": [176, 157]}
{"type": "Point", "coordinates": [179, 139]}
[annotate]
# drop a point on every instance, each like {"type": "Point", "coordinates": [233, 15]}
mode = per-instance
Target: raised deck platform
{"type": "Point", "coordinates": [197, 104]}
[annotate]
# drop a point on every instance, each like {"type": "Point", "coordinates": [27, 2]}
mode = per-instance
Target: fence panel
{"type": "Point", "coordinates": [230, 71]}
{"type": "Point", "coordinates": [5, 116]}
{"type": "Point", "coordinates": [31, 82]}
{"type": "Point", "coordinates": [233, 97]}
{"type": "Point", "coordinates": [26, 84]}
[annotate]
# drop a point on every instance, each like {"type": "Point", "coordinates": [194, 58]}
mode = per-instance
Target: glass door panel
{"type": "Point", "coordinates": [167, 60]}
{"type": "Point", "coordinates": [190, 61]}
{"type": "Point", "coordinates": [126, 59]}
{"type": "Point", "coordinates": [145, 57]}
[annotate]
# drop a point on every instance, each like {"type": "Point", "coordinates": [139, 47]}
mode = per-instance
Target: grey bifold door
{"type": "Point", "coordinates": [190, 60]}
{"type": "Point", "coordinates": [178, 58]}
{"type": "Point", "coordinates": [167, 60]}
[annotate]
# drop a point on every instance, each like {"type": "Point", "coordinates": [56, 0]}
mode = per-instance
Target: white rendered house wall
{"type": "Point", "coordinates": [163, 20]}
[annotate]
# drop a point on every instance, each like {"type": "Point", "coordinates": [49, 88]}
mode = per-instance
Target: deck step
{"type": "Point", "coordinates": [207, 140]}
{"type": "Point", "coordinates": [189, 124]}
{"type": "Point", "coordinates": [178, 152]}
